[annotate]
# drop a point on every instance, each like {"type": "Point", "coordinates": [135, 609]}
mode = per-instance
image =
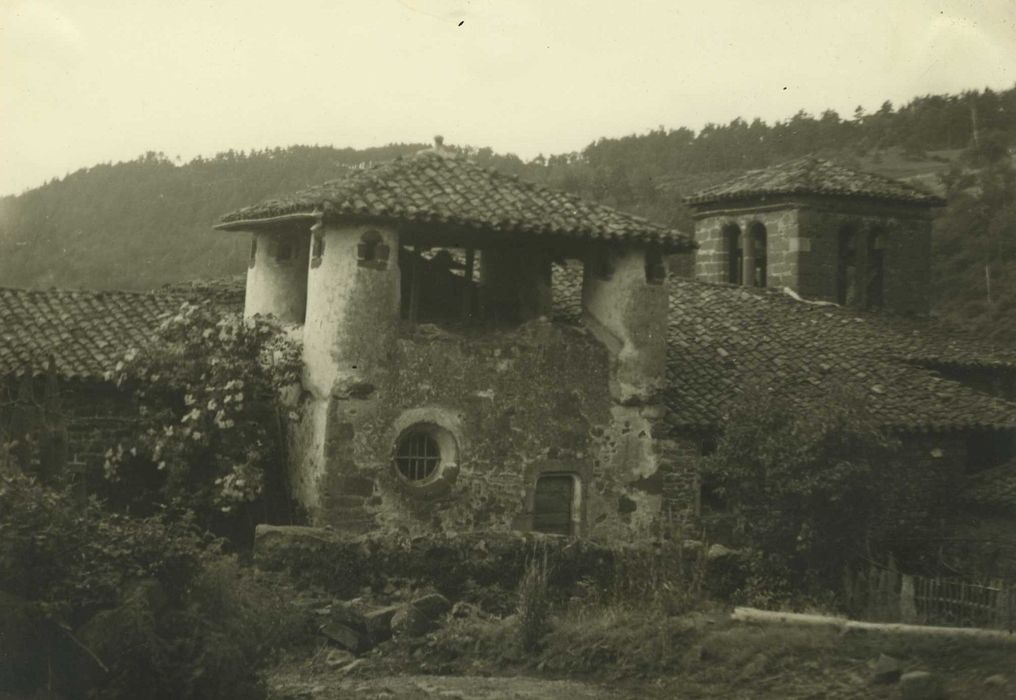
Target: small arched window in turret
{"type": "Point", "coordinates": [371, 251]}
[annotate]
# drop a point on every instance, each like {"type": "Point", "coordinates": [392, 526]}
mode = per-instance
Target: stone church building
{"type": "Point", "coordinates": [485, 353]}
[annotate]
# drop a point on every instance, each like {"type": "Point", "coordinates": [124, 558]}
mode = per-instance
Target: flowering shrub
{"type": "Point", "coordinates": [211, 393]}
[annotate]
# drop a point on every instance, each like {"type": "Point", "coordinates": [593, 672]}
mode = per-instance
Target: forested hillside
{"type": "Point", "coordinates": [148, 222]}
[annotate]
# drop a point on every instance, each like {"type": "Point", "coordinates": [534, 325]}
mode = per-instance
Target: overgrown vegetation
{"type": "Point", "coordinates": [212, 439]}
{"type": "Point", "coordinates": [96, 602]}
{"type": "Point", "coordinates": [132, 596]}
{"type": "Point", "coordinates": [802, 489]}
{"type": "Point", "coordinates": [975, 240]}
{"type": "Point", "coordinates": [534, 605]}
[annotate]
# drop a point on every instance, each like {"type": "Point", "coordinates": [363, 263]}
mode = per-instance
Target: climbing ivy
{"type": "Point", "coordinates": [214, 392]}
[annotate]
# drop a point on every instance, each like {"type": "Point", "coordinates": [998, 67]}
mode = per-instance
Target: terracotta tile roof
{"type": "Point", "coordinates": [85, 332]}
{"type": "Point", "coordinates": [225, 292]}
{"type": "Point", "coordinates": [723, 336]}
{"type": "Point", "coordinates": [720, 336]}
{"type": "Point", "coordinates": [811, 175]}
{"type": "Point", "coordinates": [929, 344]}
{"type": "Point", "coordinates": [435, 189]}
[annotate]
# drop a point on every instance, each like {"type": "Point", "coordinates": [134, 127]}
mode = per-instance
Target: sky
{"type": "Point", "coordinates": [90, 81]}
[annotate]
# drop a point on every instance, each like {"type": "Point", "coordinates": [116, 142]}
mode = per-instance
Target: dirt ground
{"type": "Point", "coordinates": [728, 660]}
{"type": "Point", "coordinates": [328, 686]}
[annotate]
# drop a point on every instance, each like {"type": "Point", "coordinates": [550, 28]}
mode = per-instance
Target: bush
{"type": "Point", "coordinates": [212, 391]}
{"type": "Point", "coordinates": [76, 558]}
{"type": "Point", "coordinates": [801, 485]}
{"type": "Point", "coordinates": [131, 607]}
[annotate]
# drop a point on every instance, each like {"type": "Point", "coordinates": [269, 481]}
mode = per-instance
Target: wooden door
{"type": "Point", "coordinates": [552, 504]}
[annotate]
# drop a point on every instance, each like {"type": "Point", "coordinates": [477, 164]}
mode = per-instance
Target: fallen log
{"type": "Point", "coordinates": [845, 625]}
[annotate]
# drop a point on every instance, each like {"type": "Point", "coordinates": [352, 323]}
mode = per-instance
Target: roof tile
{"type": "Point", "coordinates": [811, 175]}
{"type": "Point", "coordinates": [431, 188]}
{"type": "Point", "coordinates": [804, 349]}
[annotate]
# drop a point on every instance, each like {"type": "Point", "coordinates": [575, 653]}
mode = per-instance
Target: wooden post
{"type": "Point", "coordinates": [908, 609]}
{"type": "Point", "coordinates": [467, 289]}
{"type": "Point", "coordinates": [414, 285]}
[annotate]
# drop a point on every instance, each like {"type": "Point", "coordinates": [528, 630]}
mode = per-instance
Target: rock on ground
{"type": "Point", "coordinates": [887, 670]}
{"type": "Point", "coordinates": [921, 685]}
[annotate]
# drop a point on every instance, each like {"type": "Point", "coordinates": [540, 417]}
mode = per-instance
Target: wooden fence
{"type": "Point", "coordinates": [884, 594]}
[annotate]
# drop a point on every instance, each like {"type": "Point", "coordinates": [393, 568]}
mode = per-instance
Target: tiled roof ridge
{"type": "Point", "coordinates": [435, 188]}
{"type": "Point", "coordinates": [93, 292]}
{"type": "Point", "coordinates": [811, 174]}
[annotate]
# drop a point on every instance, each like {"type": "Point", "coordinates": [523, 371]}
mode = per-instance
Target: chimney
{"type": "Point", "coordinates": [438, 149]}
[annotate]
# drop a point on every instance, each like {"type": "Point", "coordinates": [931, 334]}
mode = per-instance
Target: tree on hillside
{"type": "Point", "coordinates": [976, 239]}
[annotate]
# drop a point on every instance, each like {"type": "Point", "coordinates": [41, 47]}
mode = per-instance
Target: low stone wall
{"type": "Point", "coordinates": [459, 565]}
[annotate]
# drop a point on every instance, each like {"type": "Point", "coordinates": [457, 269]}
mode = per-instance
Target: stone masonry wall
{"type": "Point", "coordinates": [517, 404]}
{"type": "Point", "coordinates": [96, 416]}
{"type": "Point", "coordinates": [75, 421]}
{"type": "Point", "coordinates": [712, 261]}
{"type": "Point", "coordinates": [803, 247]}
{"type": "Point", "coordinates": [680, 453]}
{"type": "Point", "coordinates": [907, 256]}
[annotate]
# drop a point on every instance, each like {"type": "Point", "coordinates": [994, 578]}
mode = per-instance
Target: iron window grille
{"type": "Point", "coordinates": [418, 457]}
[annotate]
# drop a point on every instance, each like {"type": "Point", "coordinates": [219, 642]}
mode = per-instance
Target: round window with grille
{"type": "Point", "coordinates": [418, 456]}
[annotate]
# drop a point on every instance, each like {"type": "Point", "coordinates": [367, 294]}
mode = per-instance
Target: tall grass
{"type": "Point", "coordinates": [534, 604]}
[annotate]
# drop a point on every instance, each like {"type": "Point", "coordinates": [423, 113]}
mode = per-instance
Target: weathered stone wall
{"type": "Point", "coordinates": [461, 565]}
{"type": "Point", "coordinates": [712, 262]}
{"type": "Point", "coordinates": [506, 405]}
{"type": "Point", "coordinates": [629, 316]}
{"type": "Point", "coordinates": [907, 255]}
{"type": "Point", "coordinates": [96, 416]}
{"type": "Point", "coordinates": [348, 345]}
{"type": "Point", "coordinates": [75, 422]}
{"type": "Point", "coordinates": [680, 453]}
{"type": "Point", "coordinates": [517, 404]}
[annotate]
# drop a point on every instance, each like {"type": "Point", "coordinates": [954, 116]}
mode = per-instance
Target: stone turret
{"type": "Point", "coordinates": [277, 274]}
{"type": "Point", "coordinates": [821, 229]}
